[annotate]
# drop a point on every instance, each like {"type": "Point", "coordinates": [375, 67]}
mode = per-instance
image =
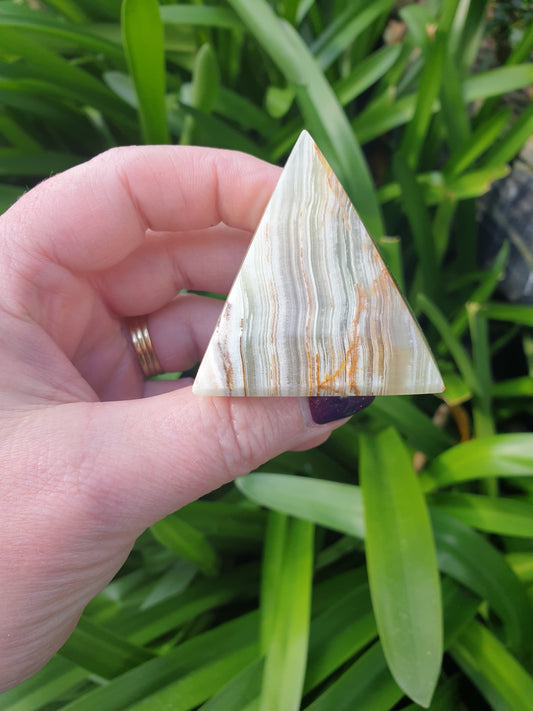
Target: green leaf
{"type": "Point", "coordinates": [235, 107]}
{"type": "Point", "coordinates": [454, 110]}
{"type": "Point", "coordinates": [430, 81]}
{"type": "Point", "coordinates": [41, 23]}
{"type": "Point", "coordinates": [205, 79]}
{"type": "Point", "coordinates": [514, 387]}
{"type": "Point", "coordinates": [341, 447]}
{"type": "Point", "coordinates": [512, 141]}
{"type": "Point", "coordinates": [522, 565]}
{"type": "Point", "coordinates": [460, 606]}
{"type": "Point", "coordinates": [462, 553]}
{"type": "Point", "coordinates": [523, 48]}
{"type": "Point", "coordinates": [417, 19]}
{"type": "Point", "coordinates": [15, 135]}
{"type": "Point", "coordinates": [366, 685]}
{"type": "Point", "coordinates": [343, 625]}
{"type": "Point", "coordinates": [98, 650]}
{"type": "Point", "coordinates": [22, 94]}
{"type": "Point", "coordinates": [499, 455]}
{"type": "Point", "coordinates": [38, 62]}
{"type": "Point", "coordinates": [345, 29]}
{"type": "Point", "coordinates": [366, 73]}
{"type": "Point", "coordinates": [447, 697]}
{"type": "Point", "coordinates": [419, 430]}
{"type": "Point", "coordinates": [436, 188]}
{"type": "Point", "coordinates": [197, 686]}
{"type": "Point", "coordinates": [320, 107]}
{"type": "Point", "coordinates": [336, 552]}
{"type": "Point", "coordinates": [482, 407]}
{"type": "Point", "coordinates": [226, 521]}
{"type": "Point", "coordinates": [232, 643]}
{"type": "Point", "coordinates": [213, 131]}
{"type": "Point", "coordinates": [303, 9]}
{"type": "Point", "coordinates": [469, 558]}
{"type": "Point", "coordinates": [122, 85]}
{"type": "Point", "coordinates": [187, 542]}
{"type": "Point", "coordinates": [475, 183]}
{"type": "Point", "coordinates": [317, 461]}
{"type": "Point", "coordinates": [457, 391]}
{"type": "Point", "coordinates": [383, 114]}
{"type": "Point", "coordinates": [243, 689]}
{"type": "Point", "coordinates": [329, 592]}
{"type": "Point", "coordinates": [467, 32]}
{"type": "Point", "coordinates": [278, 100]}
{"type": "Point", "coordinates": [176, 579]}
{"type": "Point", "coordinates": [286, 657]}
{"type": "Point", "coordinates": [482, 139]}
{"type": "Point", "coordinates": [342, 630]}
{"type": "Point", "coordinates": [380, 117]}
{"type": "Point", "coordinates": [402, 565]}
{"type": "Point", "coordinates": [203, 89]}
{"type": "Point", "coordinates": [204, 16]}
{"type": "Point", "coordinates": [51, 683]}
{"type": "Point", "coordinates": [507, 517]}
{"type": "Point", "coordinates": [327, 503]}
{"type": "Point", "coordinates": [497, 674]}
{"type": "Point", "coordinates": [512, 313]}
{"type": "Point", "coordinates": [488, 283]}
{"type": "Point", "coordinates": [442, 225]}
{"type": "Point", "coordinates": [271, 573]}
{"type": "Point", "coordinates": [420, 223]}
{"type": "Point", "coordinates": [143, 37]}
{"type": "Point", "coordinates": [146, 625]}
{"type": "Point", "coordinates": [70, 9]}
{"type": "Point", "coordinates": [495, 82]}
{"type": "Point", "coordinates": [453, 344]}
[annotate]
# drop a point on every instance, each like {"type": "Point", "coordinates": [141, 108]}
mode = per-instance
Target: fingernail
{"type": "Point", "coordinates": [328, 409]}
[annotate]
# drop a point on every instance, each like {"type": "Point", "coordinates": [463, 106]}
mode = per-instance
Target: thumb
{"type": "Point", "coordinates": [143, 459]}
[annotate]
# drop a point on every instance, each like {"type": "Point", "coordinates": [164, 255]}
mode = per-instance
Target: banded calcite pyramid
{"type": "Point", "coordinates": [313, 310]}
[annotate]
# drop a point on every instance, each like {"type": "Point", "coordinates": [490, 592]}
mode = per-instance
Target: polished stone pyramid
{"type": "Point", "coordinates": [314, 310]}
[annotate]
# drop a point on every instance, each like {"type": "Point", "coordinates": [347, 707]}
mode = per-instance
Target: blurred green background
{"type": "Point", "coordinates": [392, 567]}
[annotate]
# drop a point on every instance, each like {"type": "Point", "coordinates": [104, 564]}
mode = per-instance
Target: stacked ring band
{"type": "Point", "coordinates": [142, 343]}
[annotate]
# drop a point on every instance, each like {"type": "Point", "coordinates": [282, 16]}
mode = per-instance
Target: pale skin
{"type": "Point", "coordinates": [90, 453]}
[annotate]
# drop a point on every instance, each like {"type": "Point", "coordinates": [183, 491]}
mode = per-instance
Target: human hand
{"type": "Point", "coordinates": [87, 459]}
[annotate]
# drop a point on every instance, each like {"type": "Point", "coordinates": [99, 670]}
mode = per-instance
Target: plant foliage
{"type": "Point", "coordinates": [393, 566]}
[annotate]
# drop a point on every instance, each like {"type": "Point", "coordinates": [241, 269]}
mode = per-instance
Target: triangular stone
{"type": "Point", "coordinates": [314, 310]}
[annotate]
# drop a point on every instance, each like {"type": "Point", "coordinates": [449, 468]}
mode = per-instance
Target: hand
{"type": "Point", "coordinates": [87, 459]}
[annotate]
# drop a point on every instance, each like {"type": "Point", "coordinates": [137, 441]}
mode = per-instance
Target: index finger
{"type": "Point", "coordinates": [92, 216]}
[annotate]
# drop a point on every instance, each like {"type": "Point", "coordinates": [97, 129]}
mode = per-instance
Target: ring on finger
{"type": "Point", "coordinates": [142, 344]}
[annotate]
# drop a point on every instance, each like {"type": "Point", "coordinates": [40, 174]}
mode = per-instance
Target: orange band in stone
{"type": "Point", "coordinates": [140, 337]}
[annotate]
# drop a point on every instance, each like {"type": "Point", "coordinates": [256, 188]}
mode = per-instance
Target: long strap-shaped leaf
{"type": "Point", "coordinates": [367, 685]}
{"type": "Point", "coordinates": [142, 30]}
{"type": "Point", "coordinates": [462, 553]}
{"type": "Point", "coordinates": [501, 455]}
{"type": "Point", "coordinates": [193, 666]}
{"type": "Point", "coordinates": [319, 105]}
{"type": "Point", "coordinates": [468, 557]}
{"type": "Point", "coordinates": [343, 628]}
{"type": "Point", "coordinates": [498, 675]}
{"type": "Point", "coordinates": [286, 605]}
{"type": "Point", "coordinates": [402, 565]}
{"type": "Point", "coordinates": [187, 542]}
{"type": "Point", "coordinates": [42, 64]}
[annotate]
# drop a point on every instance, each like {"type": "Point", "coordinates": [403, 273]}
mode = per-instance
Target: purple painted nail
{"type": "Point", "coordinates": [328, 409]}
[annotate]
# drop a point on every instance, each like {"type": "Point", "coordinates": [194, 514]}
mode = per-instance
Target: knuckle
{"type": "Point", "coordinates": [240, 439]}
